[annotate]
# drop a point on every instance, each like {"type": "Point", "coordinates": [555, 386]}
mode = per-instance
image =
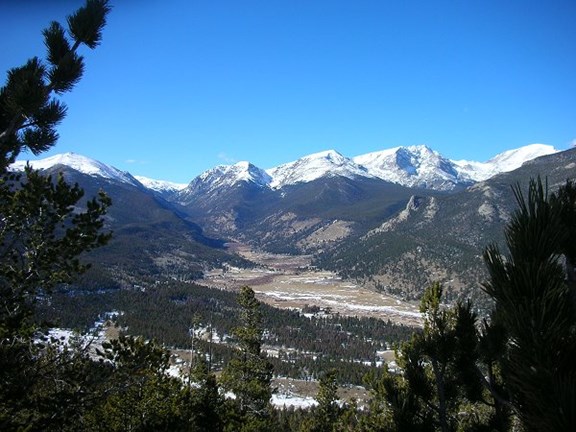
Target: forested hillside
{"type": "Point", "coordinates": [167, 312]}
{"type": "Point", "coordinates": [441, 238]}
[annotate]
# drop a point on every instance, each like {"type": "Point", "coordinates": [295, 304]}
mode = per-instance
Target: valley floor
{"type": "Point", "coordinates": [287, 281]}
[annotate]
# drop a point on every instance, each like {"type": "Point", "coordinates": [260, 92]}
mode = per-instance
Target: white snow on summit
{"type": "Point", "coordinates": [229, 175]}
{"type": "Point", "coordinates": [79, 163]}
{"type": "Point", "coordinates": [504, 162]}
{"type": "Point", "coordinates": [311, 167]}
{"type": "Point", "coordinates": [413, 166]}
{"type": "Point", "coordinates": [419, 166]}
{"type": "Point", "coordinates": [160, 185]}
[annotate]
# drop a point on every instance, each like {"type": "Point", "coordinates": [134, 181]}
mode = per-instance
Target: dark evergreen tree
{"type": "Point", "coordinates": [41, 238]}
{"type": "Point", "coordinates": [138, 393]}
{"type": "Point", "coordinates": [42, 233]}
{"type": "Point", "coordinates": [393, 407]}
{"type": "Point", "coordinates": [249, 374]}
{"type": "Point", "coordinates": [206, 404]}
{"type": "Point", "coordinates": [535, 310]}
{"type": "Point", "coordinates": [29, 112]}
{"type": "Point", "coordinates": [326, 415]}
{"type": "Point", "coordinates": [441, 384]}
{"type": "Point", "coordinates": [564, 200]}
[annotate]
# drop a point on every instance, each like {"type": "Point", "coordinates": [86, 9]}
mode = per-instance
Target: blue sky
{"type": "Point", "coordinates": [180, 86]}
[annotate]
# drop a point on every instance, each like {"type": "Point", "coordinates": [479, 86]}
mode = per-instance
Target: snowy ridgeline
{"type": "Point", "coordinates": [411, 166]}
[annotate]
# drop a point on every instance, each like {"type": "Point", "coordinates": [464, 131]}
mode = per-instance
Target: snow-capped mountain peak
{"type": "Point", "coordinates": [245, 171]}
{"type": "Point", "coordinates": [79, 163]}
{"type": "Point", "coordinates": [504, 162]}
{"type": "Point", "coordinates": [308, 168]}
{"type": "Point", "coordinates": [413, 166]}
{"type": "Point", "coordinates": [513, 159]}
{"type": "Point", "coordinates": [229, 175]}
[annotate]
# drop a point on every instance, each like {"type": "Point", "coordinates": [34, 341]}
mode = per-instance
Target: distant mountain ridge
{"type": "Point", "coordinates": [442, 237]}
{"type": "Point", "coordinates": [160, 185]}
{"type": "Point", "coordinates": [412, 166]}
{"type": "Point", "coordinates": [82, 164]}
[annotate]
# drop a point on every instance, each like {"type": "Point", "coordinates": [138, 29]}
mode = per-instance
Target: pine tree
{"type": "Point", "coordinates": [326, 415]}
{"type": "Point", "coordinates": [41, 232]}
{"type": "Point", "coordinates": [41, 238]}
{"type": "Point", "coordinates": [441, 387]}
{"type": "Point", "coordinates": [564, 200]}
{"type": "Point", "coordinates": [205, 402]}
{"type": "Point", "coordinates": [393, 407]}
{"type": "Point", "coordinates": [249, 374]}
{"type": "Point", "coordinates": [535, 309]}
{"type": "Point", "coordinates": [138, 394]}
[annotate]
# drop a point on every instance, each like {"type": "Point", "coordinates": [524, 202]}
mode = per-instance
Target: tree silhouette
{"type": "Point", "coordinates": [248, 375]}
{"type": "Point", "coordinates": [535, 309]}
{"type": "Point", "coordinates": [43, 229]}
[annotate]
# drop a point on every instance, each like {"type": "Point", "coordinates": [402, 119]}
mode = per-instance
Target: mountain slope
{"type": "Point", "coordinates": [212, 182]}
{"type": "Point", "coordinates": [298, 218]}
{"type": "Point", "coordinates": [164, 188]}
{"type": "Point", "coordinates": [441, 237]}
{"type": "Point", "coordinates": [319, 200]}
{"type": "Point", "coordinates": [422, 167]}
{"type": "Point", "coordinates": [151, 236]}
{"type": "Point", "coordinates": [317, 215]}
{"type": "Point", "coordinates": [504, 162]}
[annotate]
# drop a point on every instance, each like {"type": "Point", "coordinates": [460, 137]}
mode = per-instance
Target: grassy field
{"type": "Point", "coordinates": [286, 281]}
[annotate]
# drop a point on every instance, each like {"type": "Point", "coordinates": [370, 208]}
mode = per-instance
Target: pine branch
{"type": "Point", "coordinates": [86, 28]}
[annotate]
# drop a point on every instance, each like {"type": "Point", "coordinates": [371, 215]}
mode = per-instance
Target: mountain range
{"type": "Point", "coordinates": [393, 219]}
{"type": "Point", "coordinates": [412, 166]}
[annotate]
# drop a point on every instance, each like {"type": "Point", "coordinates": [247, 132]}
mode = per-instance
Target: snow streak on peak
{"type": "Point", "coordinates": [512, 159]}
{"type": "Point", "coordinates": [160, 185]}
{"type": "Point", "coordinates": [504, 162]}
{"type": "Point", "coordinates": [79, 163]}
{"type": "Point", "coordinates": [328, 163]}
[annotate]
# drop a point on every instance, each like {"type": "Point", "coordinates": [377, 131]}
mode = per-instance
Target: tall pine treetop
{"type": "Point", "coordinates": [29, 112]}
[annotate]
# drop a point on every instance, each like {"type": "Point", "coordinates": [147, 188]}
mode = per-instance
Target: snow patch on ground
{"type": "Point", "coordinates": [286, 400]}
{"type": "Point", "coordinates": [336, 301]}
